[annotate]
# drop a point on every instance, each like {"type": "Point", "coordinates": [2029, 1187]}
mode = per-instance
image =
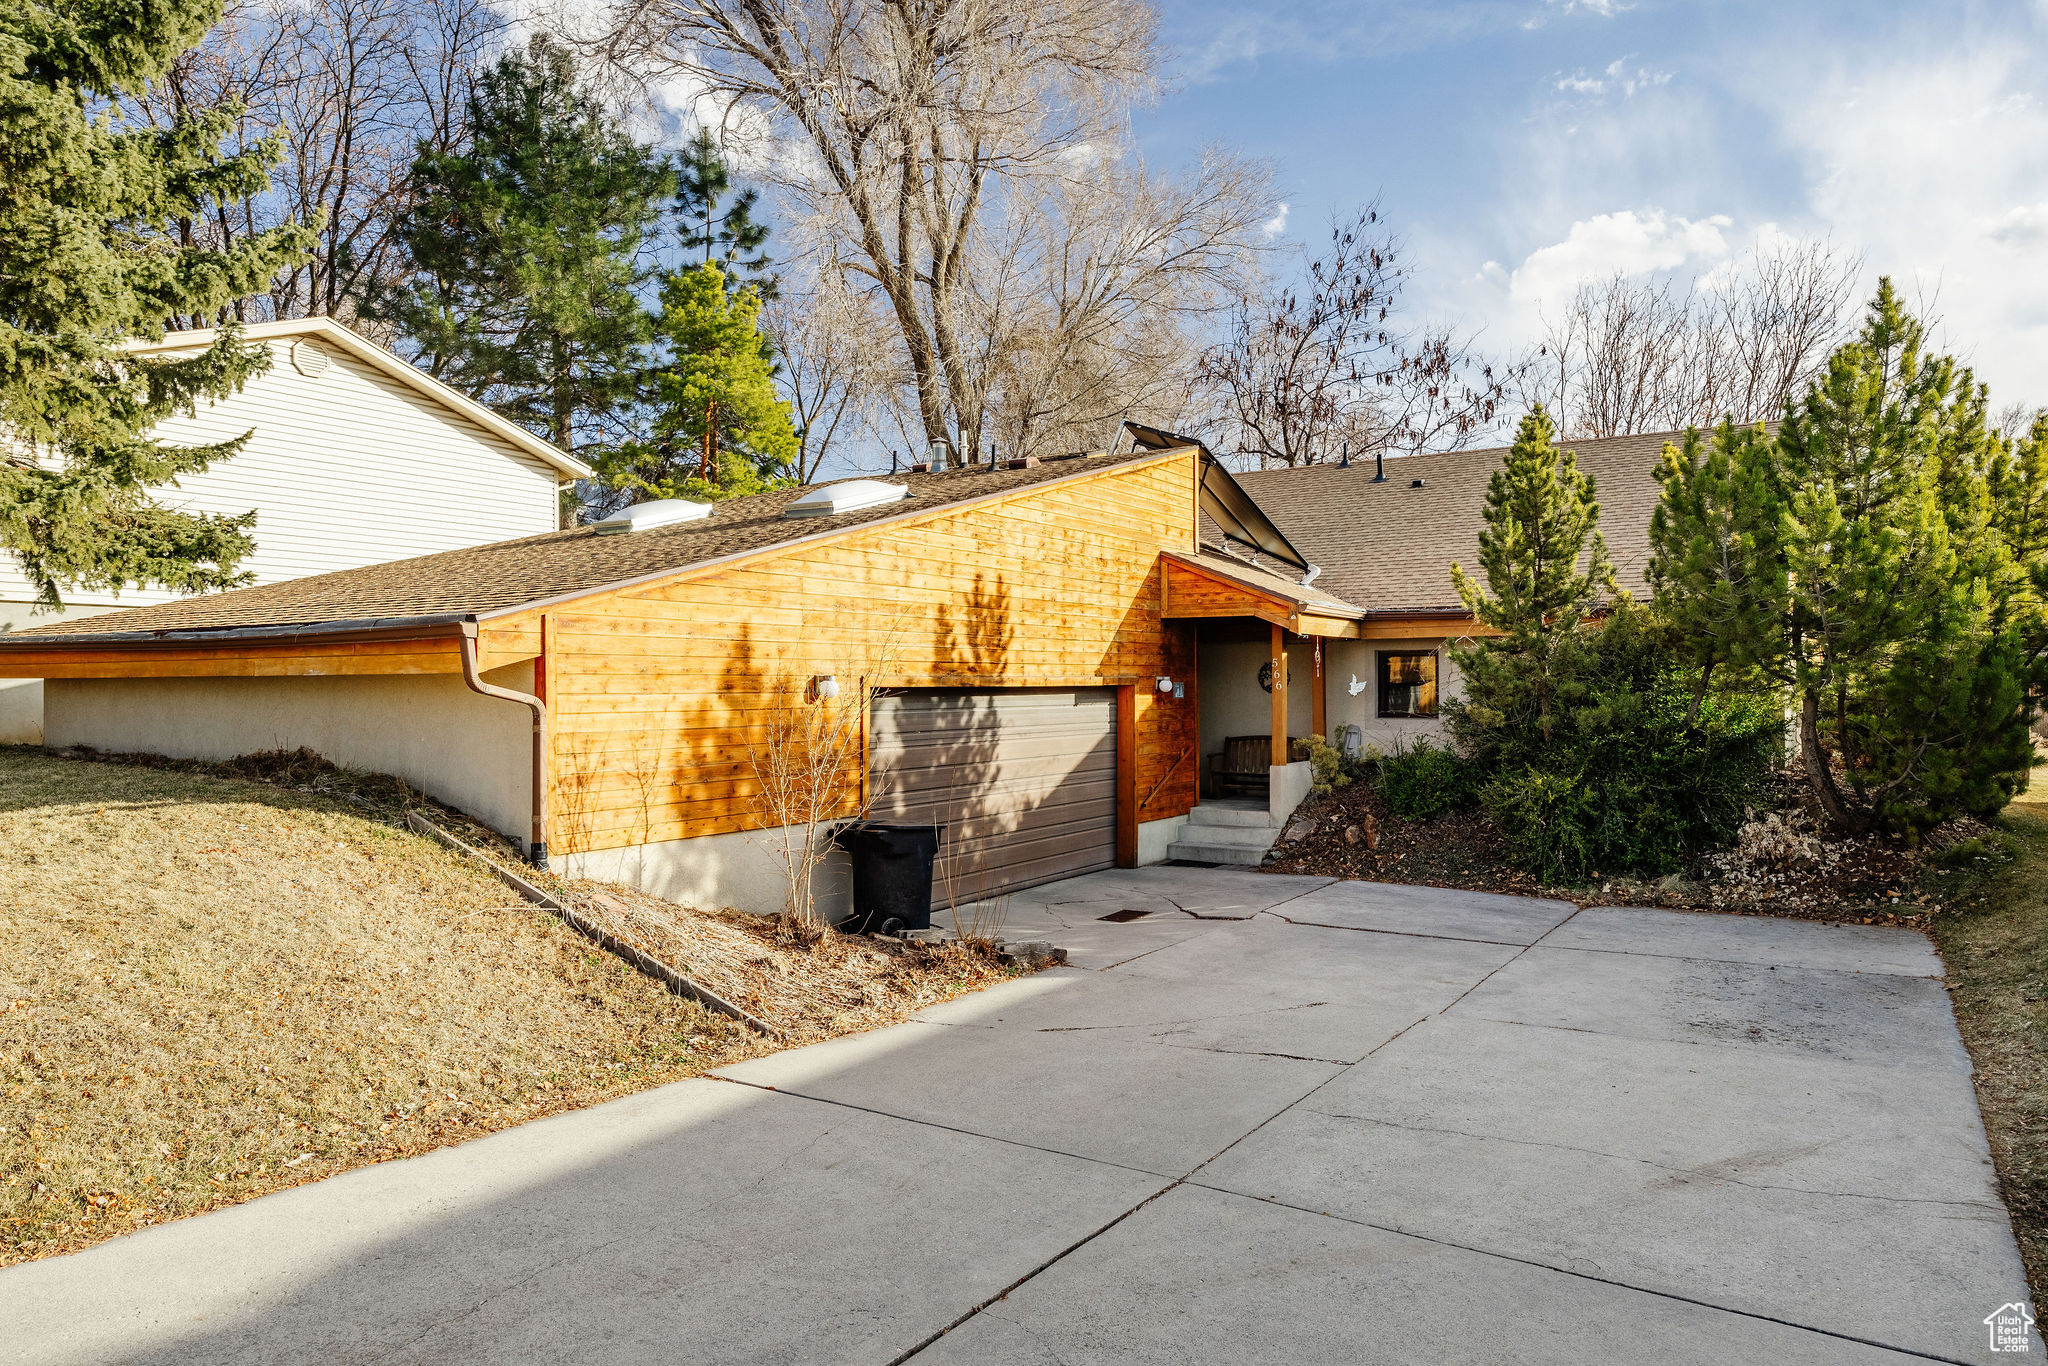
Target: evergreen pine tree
{"type": "Point", "coordinates": [2017, 480]}
{"type": "Point", "coordinates": [718, 229]}
{"type": "Point", "coordinates": [1716, 574]}
{"type": "Point", "coordinates": [90, 256]}
{"type": "Point", "coordinates": [529, 247]}
{"type": "Point", "coordinates": [1546, 568]}
{"type": "Point", "coordinates": [1864, 561]}
{"type": "Point", "coordinates": [720, 430]}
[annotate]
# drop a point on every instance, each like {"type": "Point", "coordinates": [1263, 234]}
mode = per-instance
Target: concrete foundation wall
{"type": "Point", "coordinates": [1154, 836]}
{"type": "Point", "coordinates": [1288, 787]}
{"type": "Point", "coordinates": [741, 870]}
{"type": "Point", "coordinates": [472, 752]}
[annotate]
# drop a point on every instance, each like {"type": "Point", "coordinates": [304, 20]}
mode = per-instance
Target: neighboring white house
{"type": "Point", "coordinates": [356, 458]}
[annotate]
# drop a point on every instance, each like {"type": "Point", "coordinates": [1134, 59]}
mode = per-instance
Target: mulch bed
{"type": "Point", "coordinates": [1785, 862]}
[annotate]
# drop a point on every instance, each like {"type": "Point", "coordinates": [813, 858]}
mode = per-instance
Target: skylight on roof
{"type": "Point", "coordinates": [647, 516]}
{"type": "Point", "coordinates": [850, 496]}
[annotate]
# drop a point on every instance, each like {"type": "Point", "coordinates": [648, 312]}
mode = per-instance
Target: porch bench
{"type": "Point", "coordinates": [1244, 763]}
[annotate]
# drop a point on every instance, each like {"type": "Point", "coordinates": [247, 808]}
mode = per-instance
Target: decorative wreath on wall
{"type": "Point", "coordinates": [1266, 675]}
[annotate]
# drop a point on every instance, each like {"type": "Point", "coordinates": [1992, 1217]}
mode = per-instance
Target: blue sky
{"type": "Point", "coordinates": [1522, 145]}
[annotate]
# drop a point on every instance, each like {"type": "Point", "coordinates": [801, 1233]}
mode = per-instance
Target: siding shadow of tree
{"type": "Point", "coordinates": [997, 772]}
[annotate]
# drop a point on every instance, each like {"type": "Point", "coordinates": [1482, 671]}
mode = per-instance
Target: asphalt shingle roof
{"type": "Point", "coordinates": [509, 574]}
{"type": "Point", "coordinates": [1390, 547]}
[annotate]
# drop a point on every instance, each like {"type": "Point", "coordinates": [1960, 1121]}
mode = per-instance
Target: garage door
{"type": "Point", "coordinates": [1024, 781]}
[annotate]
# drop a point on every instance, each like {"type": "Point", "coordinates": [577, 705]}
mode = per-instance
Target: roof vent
{"type": "Point", "coordinates": [1414, 483]}
{"type": "Point", "coordinates": [647, 516]}
{"type": "Point", "coordinates": [851, 496]}
{"type": "Point", "coordinates": [308, 359]}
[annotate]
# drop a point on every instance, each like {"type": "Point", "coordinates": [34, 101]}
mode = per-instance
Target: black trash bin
{"type": "Point", "coordinates": [892, 875]}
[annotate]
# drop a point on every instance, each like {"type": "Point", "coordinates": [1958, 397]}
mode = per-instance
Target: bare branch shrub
{"type": "Point", "coordinates": [808, 762]}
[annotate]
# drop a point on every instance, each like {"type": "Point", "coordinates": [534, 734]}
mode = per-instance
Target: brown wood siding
{"type": "Point", "coordinates": [656, 692]}
{"type": "Point", "coordinates": [1191, 593]}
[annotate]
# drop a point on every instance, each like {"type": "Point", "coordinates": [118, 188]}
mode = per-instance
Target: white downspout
{"type": "Point", "coordinates": [537, 848]}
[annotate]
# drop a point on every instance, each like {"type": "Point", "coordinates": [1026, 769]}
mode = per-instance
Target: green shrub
{"type": "Point", "coordinates": [1962, 853]}
{"type": "Point", "coordinates": [1626, 784]}
{"type": "Point", "coordinates": [1327, 763]}
{"type": "Point", "coordinates": [1425, 780]}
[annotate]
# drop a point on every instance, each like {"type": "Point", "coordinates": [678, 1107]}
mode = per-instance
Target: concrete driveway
{"type": "Point", "coordinates": [1270, 1119]}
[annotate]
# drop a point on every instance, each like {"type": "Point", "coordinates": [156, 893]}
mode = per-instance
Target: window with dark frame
{"type": "Point", "coordinates": [1408, 683]}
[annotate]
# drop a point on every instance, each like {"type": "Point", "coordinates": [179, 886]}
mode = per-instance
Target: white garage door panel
{"type": "Point", "coordinates": [1023, 780]}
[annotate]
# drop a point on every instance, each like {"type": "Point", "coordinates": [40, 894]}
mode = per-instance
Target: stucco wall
{"type": "Point", "coordinates": [21, 699]}
{"type": "Point", "coordinates": [1229, 656]}
{"type": "Point", "coordinates": [472, 752]}
{"type": "Point", "coordinates": [1357, 661]}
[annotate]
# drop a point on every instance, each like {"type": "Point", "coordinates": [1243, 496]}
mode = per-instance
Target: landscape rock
{"type": "Point", "coordinates": [1032, 952]}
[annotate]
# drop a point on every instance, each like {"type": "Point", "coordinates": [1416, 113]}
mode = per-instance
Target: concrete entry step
{"type": "Point", "coordinates": [1217, 853]}
{"type": "Point", "coordinates": [1236, 832]}
{"type": "Point", "coordinates": [1259, 837]}
{"type": "Point", "coordinates": [1232, 813]}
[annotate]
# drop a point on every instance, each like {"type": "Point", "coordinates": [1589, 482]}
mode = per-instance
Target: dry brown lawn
{"type": "Point", "coordinates": [1995, 945]}
{"type": "Point", "coordinates": [211, 988]}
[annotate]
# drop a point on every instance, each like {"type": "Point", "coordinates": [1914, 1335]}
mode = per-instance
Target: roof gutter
{"type": "Point", "coordinates": [435, 624]}
{"type": "Point", "coordinates": [537, 846]}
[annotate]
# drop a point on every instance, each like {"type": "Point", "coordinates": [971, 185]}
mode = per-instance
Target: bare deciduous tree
{"type": "Point", "coordinates": [354, 85]}
{"type": "Point", "coordinates": [1106, 284]}
{"type": "Point", "coordinates": [1652, 355]}
{"type": "Point", "coordinates": [2014, 420]}
{"type": "Point", "coordinates": [947, 147]}
{"type": "Point", "coordinates": [1324, 363]}
{"type": "Point", "coordinates": [830, 365]}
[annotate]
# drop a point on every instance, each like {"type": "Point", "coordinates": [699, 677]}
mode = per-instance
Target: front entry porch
{"type": "Point", "coordinates": [1260, 662]}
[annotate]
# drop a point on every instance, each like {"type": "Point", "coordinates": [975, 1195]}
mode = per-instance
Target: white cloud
{"type": "Point", "coordinates": [1617, 78]}
{"type": "Point", "coordinates": [1276, 225]}
{"type": "Point", "coordinates": [1935, 165]}
{"type": "Point", "coordinates": [1621, 243]}
{"type": "Point", "coordinates": [2024, 226]}
{"type": "Point", "coordinates": [1602, 9]}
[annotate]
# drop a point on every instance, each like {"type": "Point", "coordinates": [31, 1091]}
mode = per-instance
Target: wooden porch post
{"type": "Point", "coordinates": [1319, 706]}
{"type": "Point", "coordinates": [1279, 696]}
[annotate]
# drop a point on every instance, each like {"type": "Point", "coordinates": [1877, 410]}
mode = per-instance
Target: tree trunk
{"type": "Point", "coordinates": [1818, 770]}
{"type": "Point", "coordinates": [1699, 695]}
{"type": "Point", "coordinates": [560, 399]}
{"type": "Point", "coordinates": [708, 466]}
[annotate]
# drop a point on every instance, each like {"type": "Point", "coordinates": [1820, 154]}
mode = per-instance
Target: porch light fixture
{"type": "Point", "coordinates": [824, 687]}
{"type": "Point", "coordinates": [1166, 685]}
